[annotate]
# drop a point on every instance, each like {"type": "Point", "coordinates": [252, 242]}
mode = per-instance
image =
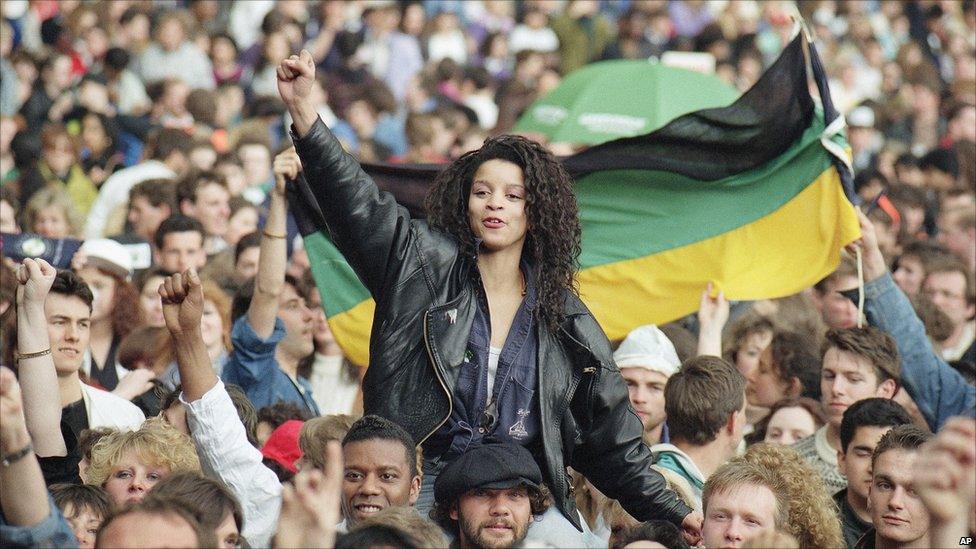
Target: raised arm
{"type": "Point", "coordinates": [939, 390]}
{"type": "Point", "coordinates": [42, 407]}
{"type": "Point", "coordinates": [370, 229]}
{"type": "Point", "coordinates": [273, 260]}
{"type": "Point", "coordinates": [24, 497]}
{"type": "Point", "coordinates": [712, 316]}
{"type": "Point", "coordinates": [182, 308]}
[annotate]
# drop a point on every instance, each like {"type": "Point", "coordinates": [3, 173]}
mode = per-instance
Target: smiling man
{"type": "Point", "coordinates": [488, 497]}
{"type": "Point", "coordinates": [380, 469]}
{"type": "Point", "coordinates": [900, 518]}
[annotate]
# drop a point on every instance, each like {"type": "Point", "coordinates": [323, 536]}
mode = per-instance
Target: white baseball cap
{"type": "Point", "coordinates": [647, 347]}
{"type": "Point", "coordinates": [108, 255]}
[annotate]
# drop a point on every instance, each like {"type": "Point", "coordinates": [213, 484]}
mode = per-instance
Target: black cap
{"type": "Point", "coordinates": [492, 466]}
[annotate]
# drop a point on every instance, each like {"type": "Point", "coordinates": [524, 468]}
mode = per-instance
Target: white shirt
{"type": "Point", "coordinates": [225, 454]}
{"type": "Point", "coordinates": [332, 392]}
{"type": "Point", "coordinates": [115, 192]}
{"type": "Point", "coordinates": [493, 354]}
{"type": "Point", "coordinates": [108, 410]}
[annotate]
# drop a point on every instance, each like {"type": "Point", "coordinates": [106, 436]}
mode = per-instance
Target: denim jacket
{"type": "Point", "coordinates": [53, 531]}
{"type": "Point", "coordinates": [938, 389]}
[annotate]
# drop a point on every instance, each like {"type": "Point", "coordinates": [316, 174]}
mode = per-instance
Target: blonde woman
{"type": "Point", "coordinates": [51, 213]}
{"type": "Point", "coordinates": [128, 464]}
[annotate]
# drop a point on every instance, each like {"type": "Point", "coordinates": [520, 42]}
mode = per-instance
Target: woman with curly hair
{"type": "Point", "coordinates": [479, 333]}
{"type": "Point", "coordinates": [127, 464]}
{"type": "Point", "coordinates": [813, 516]}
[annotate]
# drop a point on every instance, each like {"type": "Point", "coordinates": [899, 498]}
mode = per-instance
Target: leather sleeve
{"type": "Point", "coordinates": [612, 453]}
{"type": "Point", "coordinates": [368, 226]}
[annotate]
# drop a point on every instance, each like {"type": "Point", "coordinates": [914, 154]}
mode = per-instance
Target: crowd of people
{"type": "Point", "coordinates": [153, 272]}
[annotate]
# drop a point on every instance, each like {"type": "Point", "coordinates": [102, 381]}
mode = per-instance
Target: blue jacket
{"type": "Point", "coordinates": [938, 389]}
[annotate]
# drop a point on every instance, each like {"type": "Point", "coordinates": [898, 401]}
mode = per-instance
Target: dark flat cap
{"type": "Point", "coordinates": [492, 466]}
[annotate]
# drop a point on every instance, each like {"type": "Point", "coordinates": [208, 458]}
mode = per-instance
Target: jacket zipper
{"type": "Point", "coordinates": [440, 379]}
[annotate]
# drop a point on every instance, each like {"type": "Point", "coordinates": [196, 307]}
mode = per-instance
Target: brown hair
{"type": "Point", "coordinates": [318, 431]}
{"type": "Point", "coordinates": [812, 515]}
{"type": "Point", "coordinates": [844, 269]}
{"type": "Point", "coordinates": [417, 529]}
{"type": "Point", "coordinates": [906, 437]}
{"type": "Point", "coordinates": [870, 343]}
{"type": "Point", "coordinates": [741, 328]}
{"type": "Point", "coordinates": [209, 500]}
{"type": "Point", "coordinates": [189, 186]}
{"type": "Point", "coordinates": [157, 192]}
{"type": "Point", "coordinates": [813, 407]}
{"type": "Point", "coordinates": [160, 506]}
{"type": "Point", "coordinates": [700, 397]}
{"type": "Point", "coordinates": [81, 497]}
{"type": "Point", "coordinates": [738, 472]}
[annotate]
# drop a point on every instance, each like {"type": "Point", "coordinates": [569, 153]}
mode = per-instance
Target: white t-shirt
{"type": "Point", "coordinates": [493, 354]}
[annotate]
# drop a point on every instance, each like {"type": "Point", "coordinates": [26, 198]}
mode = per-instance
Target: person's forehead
{"type": "Point", "coordinates": [840, 360]}
{"type": "Point", "coordinates": [745, 498]}
{"type": "Point", "coordinates": [869, 435]}
{"type": "Point", "coordinates": [499, 171]}
{"type": "Point", "coordinates": [789, 415]}
{"type": "Point", "coordinates": [68, 306]}
{"type": "Point", "coordinates": [896, 465]}
{"type": "Point", "coordinates": [182, 238]}
{"type": "Point", "coordinates": [946, 279]}
{"type": "Point", "coordinates": [637, 373]}
{"type": "Point", "coordinates": [375, 453]}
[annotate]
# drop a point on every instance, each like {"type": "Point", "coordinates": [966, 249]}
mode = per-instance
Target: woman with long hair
{"type": "Point", "coordinates": [479, 333]}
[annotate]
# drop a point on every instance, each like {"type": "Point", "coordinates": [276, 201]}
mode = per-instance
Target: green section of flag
{"type": "Point", "coordinates": [628, 214]}
{"type": "Point", "coordinates": [338, 284]}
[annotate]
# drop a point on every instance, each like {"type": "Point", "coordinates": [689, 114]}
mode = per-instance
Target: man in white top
{"type": "Point", "coordinates": [168, 153]}
{"type": "Point", "coordinates": [210, 416]}
{"type": "Point", "coordinates": [60, 302]}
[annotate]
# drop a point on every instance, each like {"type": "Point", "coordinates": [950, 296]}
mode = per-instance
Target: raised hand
{"type": "Point", "coordinates": [13, 429]}
{"type": "Point", "coordinates": [287, 166]}
{"type": "Point", "coordinates": [945, 473]}
{"type": "Point", "coordinates": [713, 312]}
{"type": "Point", "coordinates": [295, 77]}
{"type": "Point", "coordinates": [874, 262]}
{"type": "Point", "coordinates": [135, 383]}
{"type": "Point", "coordinates": [35, 277]}
{"type": "Point", "coordinates": [182, 298]}
{"type": "Point", "coordinates": [310, 507]}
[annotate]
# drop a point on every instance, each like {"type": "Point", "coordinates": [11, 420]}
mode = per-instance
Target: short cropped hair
{"type": "Point", "coordinates": [700, 397]}
{"type": "Point", "coordinates": [951, 264]}
{"type": "Point", "coordinates": [871, 412]}
{"type": "Point", "coordinates": [420, 531]}
{"type": "Point", "coordinates": [155, 441]}
{"type": "Point", "coordinates": [870, 343]}
{"type": "Point", "coordinates": [795, 356]}
{"type": "Point", "coordinates": [157, 192]}
{"type": "Point", "coordinates": [373, 427]}
{"type": "Point", "coordinates": [70, 284]}
{"type": "Point", "coordinates": [317, 432]}
{"type": "Point", "coordinates": [908, 438]}
{"type": "Point", "coordinates": [738, 472]}
{"type": "Point", "coordinates": [177, 224]}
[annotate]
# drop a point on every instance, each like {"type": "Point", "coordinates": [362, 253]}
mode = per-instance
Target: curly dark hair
{"type": "Point", "coordinates": [540, 499]}
{"type": "Point", "coordinates": [552, 244]}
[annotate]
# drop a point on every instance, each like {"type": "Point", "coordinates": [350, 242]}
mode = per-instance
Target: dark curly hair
{"type": "Point", "coordinates": [552, 244]}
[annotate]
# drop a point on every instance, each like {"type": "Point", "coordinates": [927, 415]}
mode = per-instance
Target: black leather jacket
{"type": "Point", "coordinates": [425, 303]}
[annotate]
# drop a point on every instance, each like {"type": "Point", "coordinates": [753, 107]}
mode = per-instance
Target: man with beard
{"type": "Point", "coordinates": [488, 497]}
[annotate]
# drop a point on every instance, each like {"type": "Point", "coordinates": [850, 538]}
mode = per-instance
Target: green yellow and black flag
{"type": "Point", "coordinates": [754, 197]}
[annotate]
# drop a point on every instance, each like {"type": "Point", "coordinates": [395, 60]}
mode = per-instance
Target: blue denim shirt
{"type": "Point", "coordinates": [938, 389]}
{"type": "Point", "coordinates": [53, 531]}
{"type": "Point", "coordinates": [252, 367]}
{"type": "Point", "coordinates": [510, 413]}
